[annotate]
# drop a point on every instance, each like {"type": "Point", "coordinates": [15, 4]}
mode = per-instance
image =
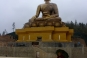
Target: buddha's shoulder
{"type": "Point", "coordinates": [41, 5]}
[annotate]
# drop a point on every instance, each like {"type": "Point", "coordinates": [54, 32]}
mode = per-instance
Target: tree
{"type": "Point", "coordinates": [13, 25]}
{"type": "Point", "coordinates": [3, 33]}
{"type": "Point", "coordinates": [0, 34]}
{"type": "Point", "coordinates": [80, 29]}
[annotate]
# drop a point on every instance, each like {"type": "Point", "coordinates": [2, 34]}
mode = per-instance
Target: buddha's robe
{"type": "Point", "coordinates": [48, 11]}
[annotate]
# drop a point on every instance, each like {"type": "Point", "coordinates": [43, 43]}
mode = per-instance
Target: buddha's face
{"type": "Point", "coordinates": [47, 1]}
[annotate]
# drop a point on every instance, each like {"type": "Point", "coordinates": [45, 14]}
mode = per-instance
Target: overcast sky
{"type": "Point", "coordinates": [20, 11]}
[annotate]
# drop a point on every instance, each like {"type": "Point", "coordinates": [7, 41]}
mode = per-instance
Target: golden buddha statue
{"type": "Point", "coordinates": [49, 11]}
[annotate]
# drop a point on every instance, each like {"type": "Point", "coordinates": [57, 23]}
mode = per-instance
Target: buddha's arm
{"type": "Point", "coordinates": [56, 10]}
{"type": "Point", "coordinates": [38, 11]}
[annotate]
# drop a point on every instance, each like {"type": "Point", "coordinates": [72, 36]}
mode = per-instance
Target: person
{"type": "Point", "coordinates": [60, 55]}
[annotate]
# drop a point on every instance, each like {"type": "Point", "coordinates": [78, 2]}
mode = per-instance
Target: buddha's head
{"type": "Point", "coordinates": [47, 1]}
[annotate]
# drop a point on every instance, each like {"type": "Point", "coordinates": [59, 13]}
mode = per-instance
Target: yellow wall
{"type": "Point", "coordinates": [60, 34]}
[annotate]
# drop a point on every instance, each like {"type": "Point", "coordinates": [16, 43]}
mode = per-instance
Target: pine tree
{"type": "Point", "coordinates": [0, 34]}
{"type": "Point", "coordinates": [3, 33]}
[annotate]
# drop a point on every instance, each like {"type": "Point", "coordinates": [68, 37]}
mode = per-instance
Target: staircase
{"type": "Point", "coordinates": [43, 54]}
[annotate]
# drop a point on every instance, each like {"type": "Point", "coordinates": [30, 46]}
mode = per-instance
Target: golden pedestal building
{"type": "Point", "coordinates": [49, 28]}
{"type": "Point", "coordinates": [44, 34]}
